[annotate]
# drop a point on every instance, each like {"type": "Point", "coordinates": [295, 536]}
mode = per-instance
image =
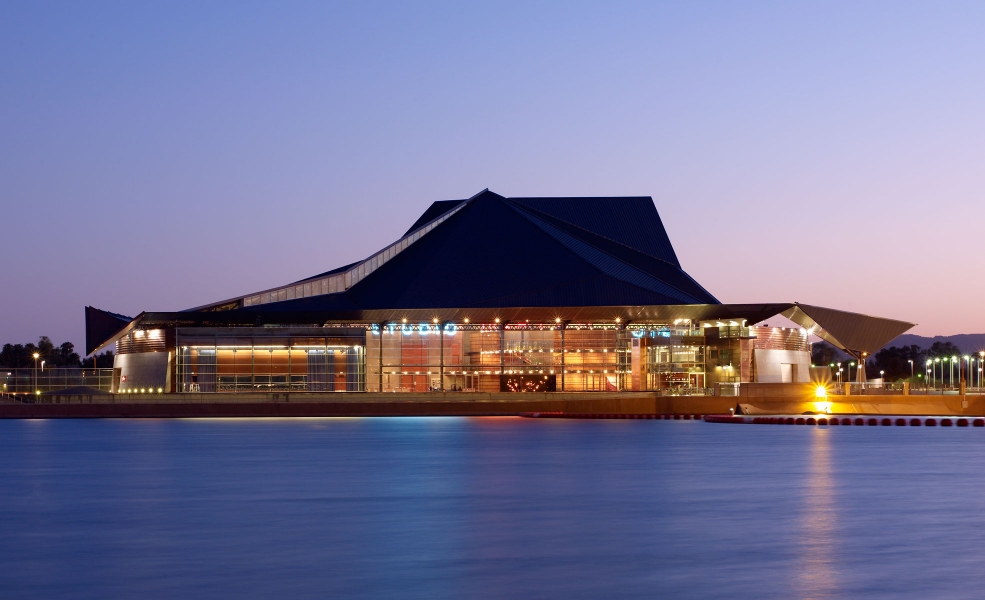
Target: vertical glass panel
{"type": "Point", "coordinates": [298, 369]}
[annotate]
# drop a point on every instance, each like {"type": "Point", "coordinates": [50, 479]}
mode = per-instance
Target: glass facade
{"type": "Point", "coordinates": [420, 357]}
{"type": "Point", "coordinates": [271, 359]}
{"type": "Point", "coordinates": [491, 358]}
{"type": "Point", "coordinates": [668, 357]}
{"type": "Point", "coordinates": [487, 357]}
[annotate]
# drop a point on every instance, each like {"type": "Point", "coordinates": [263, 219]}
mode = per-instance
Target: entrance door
{"type": "Point", "coordinates": [786, 373]}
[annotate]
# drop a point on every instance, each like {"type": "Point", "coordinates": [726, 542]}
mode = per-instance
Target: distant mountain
{"type": "Point", "coordinates": [968, 342]}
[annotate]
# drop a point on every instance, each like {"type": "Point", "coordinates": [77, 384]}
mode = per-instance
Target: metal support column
{"type": "Point", "coordinates": [502, 354]}
{"type": "Point", "coordinates": [562, 356]}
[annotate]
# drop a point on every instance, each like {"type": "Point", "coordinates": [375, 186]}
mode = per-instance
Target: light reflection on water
{"type": "Point", "coordinates": [487, 508]}
{"type": "Point", "coordinates": [819, 542]}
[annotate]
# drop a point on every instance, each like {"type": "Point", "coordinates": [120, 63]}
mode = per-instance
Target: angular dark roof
{"type": "Point", "coordinates": [491, 256]}
{"type": "Point", "coordinates": [434, 211]}
{"type": "Point", "coordinates": [341, 269]}
{"type": "Point", "coordinates": [630, 221]}
{"type": "Point", "coordinates": [101, 325]}
{"type": "Point", "coordinates": [498, 252]}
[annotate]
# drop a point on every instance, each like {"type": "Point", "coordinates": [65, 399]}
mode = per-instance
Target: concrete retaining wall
{"type": "Point", "coordinates": [756, 399]}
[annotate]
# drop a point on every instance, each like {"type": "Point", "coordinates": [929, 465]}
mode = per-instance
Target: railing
{"type": "Point", "coordinates": [32, 381]}
{"type": "Point", "coordinates": [896, 388]}
{"type": "Point", "coordinates": [867, 388]}
{"type": "Point", "coordinates": [684, 391]}
{"type": "Point", "coordinates": [929, 390]}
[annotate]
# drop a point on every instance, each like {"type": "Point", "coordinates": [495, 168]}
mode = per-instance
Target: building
{"type": "Point", "coordinates": [486, 294]}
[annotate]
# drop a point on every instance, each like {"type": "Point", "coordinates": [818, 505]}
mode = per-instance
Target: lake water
{"type": "Point", "coordinates": [488, 508]}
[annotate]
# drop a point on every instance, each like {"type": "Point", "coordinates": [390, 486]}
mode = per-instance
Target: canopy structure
{"type": "Point", "coordinates": [859, 335]}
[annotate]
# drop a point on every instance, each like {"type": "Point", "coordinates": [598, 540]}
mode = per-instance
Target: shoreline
{"type": "Point", "coordinates": [353, 404]}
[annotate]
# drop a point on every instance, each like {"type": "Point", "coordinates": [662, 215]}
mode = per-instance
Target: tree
{"type": "Point", "coordinates": [21, 356]}
{"type": "Point", "coordinates": [823, 354]}
{"type": "Point", "coordinates": [66, 356]}
{"type": "Point", "coordinates": [15, 356]}
{"type": "Point", "coordinates": [943, 349]}
{"type": "Point", "coordinates": [895, 362]}
{"type": "Point", "coordinates": [103, 361]}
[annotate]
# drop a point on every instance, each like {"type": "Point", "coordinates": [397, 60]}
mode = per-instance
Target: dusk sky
{"type": "Point", "coordinates": [158, 156]}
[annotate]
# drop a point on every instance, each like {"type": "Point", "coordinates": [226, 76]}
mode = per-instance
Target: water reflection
{"type": "Point", "coordinates": [453, 508]}
{"type": "Point", "coordinates": [817, 573]}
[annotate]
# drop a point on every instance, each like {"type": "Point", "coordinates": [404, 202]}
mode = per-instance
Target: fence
{"type": "Point", "coordinates": [32, 381]}
{"type": "Point", "coordinates": [896, 388]}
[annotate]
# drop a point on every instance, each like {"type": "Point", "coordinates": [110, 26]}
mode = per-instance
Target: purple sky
{"type": "Point", "coordinates": [161, 156]}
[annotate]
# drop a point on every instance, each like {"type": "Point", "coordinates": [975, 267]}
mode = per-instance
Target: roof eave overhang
{"type": "Point", "coordinates": [855, 333]}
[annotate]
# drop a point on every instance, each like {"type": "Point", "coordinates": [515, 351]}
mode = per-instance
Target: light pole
{"type": "Point", "coordinates": [937, 360]}
{"type": "Point", "coordinates": [981, 363]}
{"type": "Point", "coordinates": [954, 359]}
{"type": "Point", "coordinates": [967, 370]}
{"type": "Point", "coordinates": [36, 357]}
{"type": "Point", "coordinates": [911, 370]}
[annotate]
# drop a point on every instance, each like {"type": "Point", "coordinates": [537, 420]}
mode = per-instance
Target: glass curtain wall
{"type": "Point", "coordinates": [596, 358]}
{"type": "Point", "coordinates": [418, 357]}
{"type": "Point", "coordinates": [271, 359]}
{"type": "Point", "coordinates": [409, 357]}
{"type": "Point", "coordinates": [669, 357]}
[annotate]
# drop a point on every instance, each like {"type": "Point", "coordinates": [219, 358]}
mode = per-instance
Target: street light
{"type": "Point", "coordinates": [937, 360]}
{"type": "Point", "coordinates": [981, 363]}
{"type": "Point", "coordinates": [911, 370]}
{"type": "Point", "coordinates": [36, 357]}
